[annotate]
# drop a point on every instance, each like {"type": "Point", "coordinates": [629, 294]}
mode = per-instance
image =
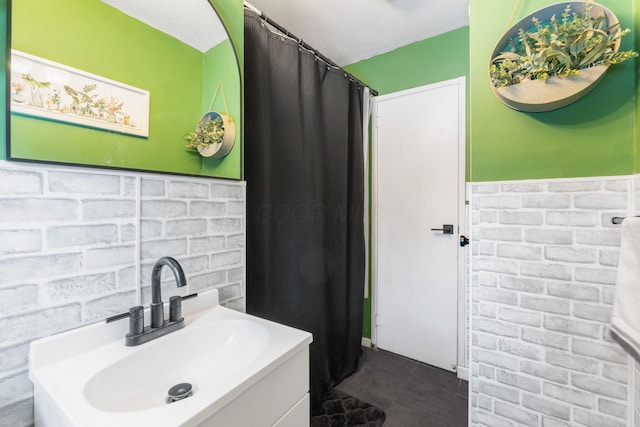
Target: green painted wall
{"type": "Point", "coordinates": [231, 12]}
{"type": "Point", "coordinates": [591, 137]}
{"type": "Point", "coordinates": [216, 70]}
{"type": "Point", "coordinates": [636, 33]}
{"type": "Point", "coordinates": [435, 59]}
{"type": "Point", "coordinates": [412, 66]}
{"type": "Point", "coordinates": [64, 31]}
{"type": "Point", "coordinates": [85, 35]}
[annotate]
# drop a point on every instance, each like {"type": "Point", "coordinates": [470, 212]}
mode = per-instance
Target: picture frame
{"type": "Point", "coordinates": [48, 90]}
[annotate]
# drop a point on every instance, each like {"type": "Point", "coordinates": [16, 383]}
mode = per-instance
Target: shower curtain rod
{"type": "Point", "coordinates": [306, 46]}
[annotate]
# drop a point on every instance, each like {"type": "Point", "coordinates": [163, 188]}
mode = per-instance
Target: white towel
{"type": "Point", "coordinates": [625, 316]}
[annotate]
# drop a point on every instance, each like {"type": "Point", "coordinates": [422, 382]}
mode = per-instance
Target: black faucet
{"type": "Point", "coordinates": [138, 333]}
{"type": "Point", "coordinates": [157, 307]}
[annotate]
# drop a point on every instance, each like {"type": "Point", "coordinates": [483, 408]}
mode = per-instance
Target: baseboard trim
{"type": "Point", "coordinates": [366, 342]}
{"type": "Point", "coordinates": [463, 373]}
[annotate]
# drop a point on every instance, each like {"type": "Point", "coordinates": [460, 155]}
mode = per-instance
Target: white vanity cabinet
{"type": "Point", "coordinates": [279, 399]}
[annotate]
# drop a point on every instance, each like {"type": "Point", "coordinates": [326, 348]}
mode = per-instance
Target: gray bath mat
{"type": "Point", "coordinates": [340, 409]}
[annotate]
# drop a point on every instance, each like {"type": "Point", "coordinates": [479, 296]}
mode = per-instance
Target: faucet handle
{"type": "Point", "coordinates": [136, 320]}
{"type": "Point", "coordinates": [193, 295]}
{"type": "Point", "coordinates": [175, 308]}
{"type": "Point", "coordinates": [124, 315]}
{"type": "Point", "coordinates": [117, 317]}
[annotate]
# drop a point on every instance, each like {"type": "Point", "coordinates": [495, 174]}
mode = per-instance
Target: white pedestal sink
{"type": "Point", "coordinates": [245, 371]}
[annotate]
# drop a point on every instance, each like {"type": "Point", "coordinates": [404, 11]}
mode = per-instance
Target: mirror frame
{"type": "Point", "coordinates": [207, 167]}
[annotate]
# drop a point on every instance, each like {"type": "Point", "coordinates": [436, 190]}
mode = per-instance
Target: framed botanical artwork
{"type": "Point", "coordinates": [52, 91]}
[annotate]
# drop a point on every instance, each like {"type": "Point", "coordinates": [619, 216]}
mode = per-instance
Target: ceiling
{"type": "Point", "coordinates": [193, 22]}
{"type": "Point", "coordinates": [347, 31]}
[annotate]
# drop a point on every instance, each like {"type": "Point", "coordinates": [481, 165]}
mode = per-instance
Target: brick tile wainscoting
{"type": "Point", "coordinates": [78, 244]}
{"type": "Point", "coordinates": [544, 260]}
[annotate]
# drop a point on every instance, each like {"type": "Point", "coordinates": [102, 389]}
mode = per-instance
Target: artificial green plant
{"type": "Point", "coordinates": [208, 131]}
{"type": "Point", "coordinates": [559, 48]}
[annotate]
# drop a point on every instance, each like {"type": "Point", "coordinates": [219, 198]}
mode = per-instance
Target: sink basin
{"type": "Point", "coordinates": [141, 380]}
{"type": "Point", "coordinates": [87, 376]}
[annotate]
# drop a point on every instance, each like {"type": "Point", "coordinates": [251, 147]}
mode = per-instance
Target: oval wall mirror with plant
{"type": "Point", "coordinates": [556, 55]}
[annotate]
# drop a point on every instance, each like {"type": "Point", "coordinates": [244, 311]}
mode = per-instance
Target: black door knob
{"type": "Point", "coordinates": [446, 229]}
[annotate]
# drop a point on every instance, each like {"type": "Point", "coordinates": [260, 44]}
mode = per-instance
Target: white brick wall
{"type": "Point", "coordinates": [543, 274]}
{"type": "Point", "coordinates": [200, 222]}
{"type": "Point", "coordinates": [69, 253]}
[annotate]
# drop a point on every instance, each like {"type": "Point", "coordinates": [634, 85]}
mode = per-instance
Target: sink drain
{"type": "Point", "coordinates": [179, 392]}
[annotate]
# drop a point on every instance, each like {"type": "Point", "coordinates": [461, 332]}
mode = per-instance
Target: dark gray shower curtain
{"type": "Point", "coordinates": [304, 168]}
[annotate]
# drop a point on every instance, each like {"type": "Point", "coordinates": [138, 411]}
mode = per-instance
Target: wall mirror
{"type": "Point", "coordinates": [118, 83]}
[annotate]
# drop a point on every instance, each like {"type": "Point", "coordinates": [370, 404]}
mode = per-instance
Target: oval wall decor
{"type": "Point", "coordinates": [214, 135]}
{"type": "Point", "coordinates": [219, 149]}
{"type": "Point", "coordinates": [555, 56]}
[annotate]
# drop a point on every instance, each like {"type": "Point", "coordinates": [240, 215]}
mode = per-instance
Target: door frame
{"type": "Point", "coordinates": [460, 82]}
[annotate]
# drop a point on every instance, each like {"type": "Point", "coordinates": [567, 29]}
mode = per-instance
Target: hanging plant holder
{"type": "Point", "coordinates": [220, 149]}
{"type": "Point", "coordinates": [215, 133]}
{"type": "Point", "coordinates": [532, 95]}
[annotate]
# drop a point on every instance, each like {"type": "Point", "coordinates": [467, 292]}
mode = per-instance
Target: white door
{"type": "Point", "coordinates": [418, 185]}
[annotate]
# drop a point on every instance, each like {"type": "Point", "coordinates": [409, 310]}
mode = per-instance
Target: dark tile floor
{"type": "Point", "coordinates": [411, 393]}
